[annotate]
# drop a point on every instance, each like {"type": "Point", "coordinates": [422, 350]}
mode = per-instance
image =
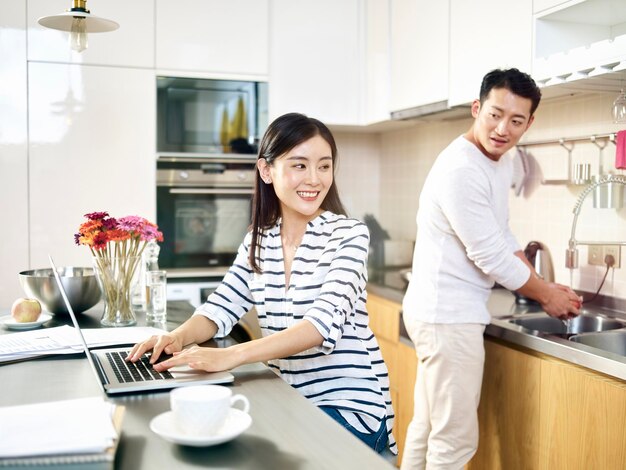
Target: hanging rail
{"type": "Point", "coordinates": [592, 138]}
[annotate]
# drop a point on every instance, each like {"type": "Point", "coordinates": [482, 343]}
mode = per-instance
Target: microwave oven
{"type": "Point", "coordinates": [207, 116]}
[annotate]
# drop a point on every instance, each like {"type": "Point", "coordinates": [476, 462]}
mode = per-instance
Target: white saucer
{"type": "Point", "coordinates": [236, 423]}
{"type": "Point", "coordinates": [9, 322]}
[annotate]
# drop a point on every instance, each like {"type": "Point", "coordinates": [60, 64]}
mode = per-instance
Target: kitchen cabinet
{"type": "Point", "coordinates": [13, 150]}
{"type": "Point", "coordinates": [132, 44]}
{"type": "Point", "coordinates": [316, 59]}
{"type": "Point", "coordinates": [538, 412]}
{"type": "Point", "coordinates": [400, 358]}
{"type": "Point", "coordinates": [476, 48]}
{"type": "Point", "coordinates": [577, 38]}
{"type": "Point", "coordinates": [91, 148]}
{"type": "Point", "coordinates": [582, 418]}
{"type": "Point", "coordinates": [213, 37]}
{"type": "Point", "coordinates": [377, 58]}
{"type": "Point", "coordinates": [419, 52]}
{"type": "Point", "coordinates": [509, 412]}
{"type": "Point", "coordinates": [406, 366]}
{"type": "Point", "coordinates": [439, 59]}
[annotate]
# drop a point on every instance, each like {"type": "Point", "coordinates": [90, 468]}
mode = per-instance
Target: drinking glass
{"type": "Point", "coordinates": [156, 285]}
{"type": "Point", "coordinates": [619, 108]}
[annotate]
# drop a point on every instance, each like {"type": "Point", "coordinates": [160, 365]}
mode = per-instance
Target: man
{"type": "Point", "coordinates": [463, 245]}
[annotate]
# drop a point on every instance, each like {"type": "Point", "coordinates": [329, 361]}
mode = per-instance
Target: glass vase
{"type": "Point", "coordinates": [116, 278]}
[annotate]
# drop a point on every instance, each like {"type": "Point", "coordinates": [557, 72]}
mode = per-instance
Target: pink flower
{"type": "Point", "coordinates": [131, 223]}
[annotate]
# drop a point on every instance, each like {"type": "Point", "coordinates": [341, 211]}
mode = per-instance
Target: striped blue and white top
{"type": "Point", "coordinates": [327, 288]}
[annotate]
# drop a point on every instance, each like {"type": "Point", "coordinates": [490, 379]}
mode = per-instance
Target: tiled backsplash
{"type": "Point", "coordinates": [383, 175]}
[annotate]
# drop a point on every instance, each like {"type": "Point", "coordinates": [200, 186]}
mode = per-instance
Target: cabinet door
{"type": "Point", "coordinates": [13, 150]}
{"type": "Point", "coordinates": [419, 52]}
{"type": "Point", "coordinates": [92, 148]}
{"type": "Point", "coordinates": [316, 59]}
{"type": "Point", "coordinates": [484, 35]}
{"type": "Point", "coordinates": [384, 318]}
{"type": "Point", "coordinates": [406, 361]}
{"type": "Point", "coordinates": [213, 36]}
{"type": "Point", "coordinates": [132, 44]}
{"type": "Point", "coordinates": [509, 410]}
{"type": "Point", "coordinates": [377, 57]}
{"type": "Point", "coordinates": [583, 415]}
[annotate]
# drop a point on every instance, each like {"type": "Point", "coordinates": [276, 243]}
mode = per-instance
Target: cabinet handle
{"type": "Point", "coordinates": [210, 191]}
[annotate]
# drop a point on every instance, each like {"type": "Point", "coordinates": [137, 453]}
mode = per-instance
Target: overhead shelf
{"type": "Point", "coordinates": [577, 40]}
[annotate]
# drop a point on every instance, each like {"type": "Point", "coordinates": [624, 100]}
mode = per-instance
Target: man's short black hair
{"type": "Point", "coordinates": [517, 82]}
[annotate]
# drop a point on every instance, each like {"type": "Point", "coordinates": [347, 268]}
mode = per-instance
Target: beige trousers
{"type": "Point", "coordinates": [444, 431]}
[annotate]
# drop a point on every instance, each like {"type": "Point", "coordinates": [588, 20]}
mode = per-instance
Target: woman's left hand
{"type": "Point", "coordinates": [202, 358]}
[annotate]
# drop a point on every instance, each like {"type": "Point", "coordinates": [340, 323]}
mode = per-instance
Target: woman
{"type": "Point", "coordinates": [303, 267]}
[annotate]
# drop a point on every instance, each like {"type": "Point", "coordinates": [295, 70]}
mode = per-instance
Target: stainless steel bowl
{"type": "Point", "coordinates": [80, 285]}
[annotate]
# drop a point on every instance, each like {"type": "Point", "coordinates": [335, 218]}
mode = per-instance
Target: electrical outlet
{"type": "Point", "coordinates": [595, 257]}
{"type": "Point", "coordinates": [615, 251]}
{"type": "Point", "coordinates": [597, 253]}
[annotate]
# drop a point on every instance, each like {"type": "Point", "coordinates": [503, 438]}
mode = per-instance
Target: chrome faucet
{"type": "Point", "coordinates": [571, 254]}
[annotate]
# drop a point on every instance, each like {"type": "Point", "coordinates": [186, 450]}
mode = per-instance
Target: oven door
{"type": "Point", "coordinates": [202, 227]}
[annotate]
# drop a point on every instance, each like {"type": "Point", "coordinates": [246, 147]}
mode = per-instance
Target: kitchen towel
{"type": "Point", "coordinates": [519, 171]}
{"type": "Point", "coordinates": [620, 151]}
{"type": "Point", "coordinates": [534, 175]}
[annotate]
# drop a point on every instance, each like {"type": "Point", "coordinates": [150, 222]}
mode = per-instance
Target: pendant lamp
{"type": "Point", "coordinates": [78, 21]}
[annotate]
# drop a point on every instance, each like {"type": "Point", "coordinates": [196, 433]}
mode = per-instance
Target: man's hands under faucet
{"type": "Point", "coordinates": [561, 301]}
{"type": "Point", "coordinates": [556, 299]}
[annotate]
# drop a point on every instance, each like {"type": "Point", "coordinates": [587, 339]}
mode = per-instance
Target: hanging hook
{"type": "Point", "coordinates": [569, 157]}
{"type": "Point", "coordinates": [601, 147]}
{"type": "Point", "coordinates": [595, 141]}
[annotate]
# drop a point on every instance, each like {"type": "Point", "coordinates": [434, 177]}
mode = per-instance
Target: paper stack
{"type": "Point", "coordinates": [78, 432]}
{"type": "Point", "coordinates": [65, 340]}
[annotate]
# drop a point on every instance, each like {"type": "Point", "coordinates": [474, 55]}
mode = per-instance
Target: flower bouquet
{"type": "Point", "coordinates": [116, 246]}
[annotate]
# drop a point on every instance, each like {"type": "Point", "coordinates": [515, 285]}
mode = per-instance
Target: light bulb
{"type": "Point", "coordinates": [619, 108]}
{"type": "Point", "coordinates": [78, 34]}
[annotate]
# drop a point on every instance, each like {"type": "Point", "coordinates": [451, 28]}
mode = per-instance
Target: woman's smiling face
{"type": "Point", "coordinates": [301, 177]}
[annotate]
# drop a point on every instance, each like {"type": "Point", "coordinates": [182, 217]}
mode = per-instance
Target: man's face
{"type": "Point", "coordinates": [500, 122]}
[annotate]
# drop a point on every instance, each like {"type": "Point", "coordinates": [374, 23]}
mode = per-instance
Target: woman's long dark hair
{"type": "Point", "coordinates": [282, 135]}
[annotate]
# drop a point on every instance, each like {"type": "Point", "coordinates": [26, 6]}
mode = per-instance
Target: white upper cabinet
{"type": "Point", "coordinates": [13, 150]}
{"type": "Point", "coordinates": [91, 148]}
{"type": "Point", "coordinates": [377, 59]}
{"type": "Point", "coordinates": [131, 45]}
{"type": "Point", "coordinates": [484, 35]}
{"type": "Point", "coordinates": [316, 59]}
{"type": "Point", "coordinates": [419, 52]}
{"type": "Point", "coordinates": [213, 36]}
{"type": "Point", "coordinates": [577, 38]}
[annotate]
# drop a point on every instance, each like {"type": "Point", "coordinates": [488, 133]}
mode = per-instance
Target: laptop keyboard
{"type": "Point", "coordinates": [138, 371]}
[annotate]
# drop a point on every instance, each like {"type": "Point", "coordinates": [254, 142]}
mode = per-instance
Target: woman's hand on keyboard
{"type": "Point", "coordinates": [203, 358]}
{"type": "Point", "coordinates": [168, 343]}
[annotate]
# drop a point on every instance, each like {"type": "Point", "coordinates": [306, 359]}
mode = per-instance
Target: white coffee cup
{"type": "Point", "coordinates": [203, 409]}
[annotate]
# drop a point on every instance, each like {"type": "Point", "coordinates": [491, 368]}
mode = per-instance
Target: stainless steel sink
{"type": "Point", "coordinates": [611, 341]}
{"type": "Point", "coordinates": [581, 324]}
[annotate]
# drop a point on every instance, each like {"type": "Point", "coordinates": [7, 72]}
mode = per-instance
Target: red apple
{"type": "Point", "coordinates": [26, 310]}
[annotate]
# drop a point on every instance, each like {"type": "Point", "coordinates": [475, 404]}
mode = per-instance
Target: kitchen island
{"type": "Point", "coordinates": [287, 431]}
{"type": "Point", "coordinates": [546, 403]}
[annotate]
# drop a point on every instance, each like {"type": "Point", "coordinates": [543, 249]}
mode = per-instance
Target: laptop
{"type": "Point", "coordinates": [118, 376]}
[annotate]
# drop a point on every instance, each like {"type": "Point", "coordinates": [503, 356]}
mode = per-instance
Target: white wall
{"type": "Point", "coordinates": [358, 175]}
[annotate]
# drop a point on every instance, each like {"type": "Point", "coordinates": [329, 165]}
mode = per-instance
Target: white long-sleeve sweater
{"type": "Point", "coordinates": [463, 241]}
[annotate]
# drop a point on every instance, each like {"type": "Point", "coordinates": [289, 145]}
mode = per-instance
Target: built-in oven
{"type": "Point", "coordinates": [203, 209]}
